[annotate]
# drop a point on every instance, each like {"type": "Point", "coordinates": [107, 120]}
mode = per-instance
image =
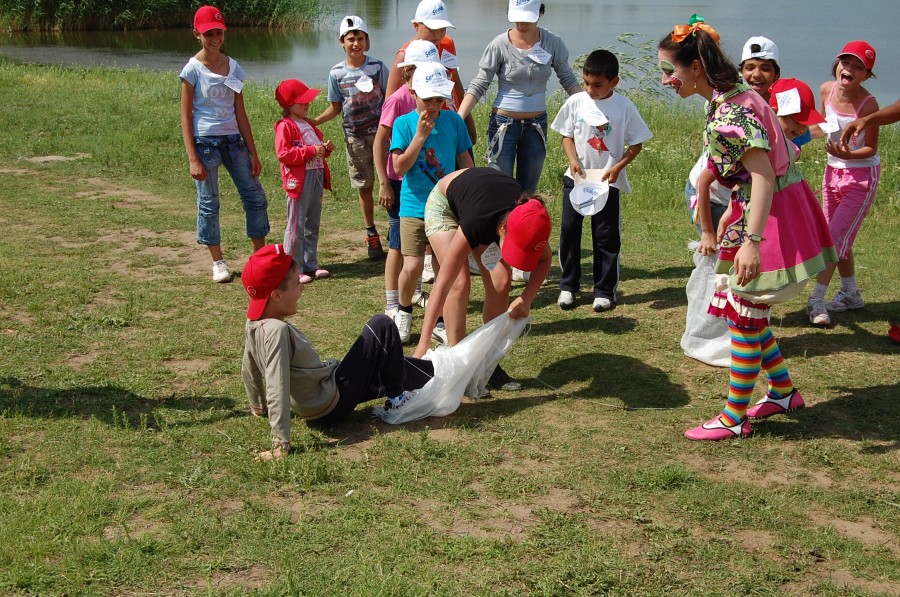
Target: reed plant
{"type": "Point", "coordinates": [65, 15]}
{"type": "Point", "coordinates": [126, 445]}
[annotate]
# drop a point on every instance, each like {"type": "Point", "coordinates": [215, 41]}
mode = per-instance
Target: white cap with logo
{"type": "Point", "coordinates": [431, 80]}
{"type": "Point", "coordinates": [432, 14]}
{"type": "Point", "coordinates": [524, 11]}
{"type": "Point", "coordinates": [352, 23]}
{"type": "Point", "coordinates": [419, 51]}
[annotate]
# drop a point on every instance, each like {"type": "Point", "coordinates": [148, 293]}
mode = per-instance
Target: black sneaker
{"type": "Point", "coordinates": [500, 380]}
{"type": "Point", "coordinates": [376, 251]}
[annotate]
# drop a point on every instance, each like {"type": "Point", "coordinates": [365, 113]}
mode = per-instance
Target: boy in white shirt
{"type": "Point", "coordinates": [602, 130]}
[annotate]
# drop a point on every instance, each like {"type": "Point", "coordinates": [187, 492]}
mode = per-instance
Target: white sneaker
{"type": "Point", "coordinates": [817, 311]}
{"type": "Point", "coordinates": [393, 408]}
{"type": "Point", "coordinates": [428, 271]}
{"type": "Point", "coordinates": [391, 312]}
{"type": "Point", "coordinates": [220, 271]}
{"type": "Point", "coordinates": [844, 301]}
{"type": "Point", "coordinates": [420, 299]}
{"type": "Point", "coordinates": [602, 304]}
{"type": "Point", "coordinates": [439, 333]}
{"type": "Point", "coordinates": [473, 265]}
{"type": "Point", "coordinates": [566, 300]}
{"type": "Point", "coordinates": [520, 276]}
{"type": "Point", "coordinates": [403, 321]}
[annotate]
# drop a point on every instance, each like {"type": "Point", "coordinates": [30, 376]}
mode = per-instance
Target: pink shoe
{"type": "Point", "coordinates": [770, 405]}
{"type": "Point", "coordinates": [305, 278]}
{"type": "Point", "coordinates": [321, 273]}
{"type": "Point", "coordinates": [715, 430]}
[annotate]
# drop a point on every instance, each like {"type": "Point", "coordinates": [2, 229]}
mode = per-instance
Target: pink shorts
{"type": "Point", "coordinates": [847, 196]}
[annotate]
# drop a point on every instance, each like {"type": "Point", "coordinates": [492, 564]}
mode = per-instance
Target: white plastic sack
{"type": "Point", "coordinates": [460, 370]}
{"type": "Point", "coordinates": [706, 337]}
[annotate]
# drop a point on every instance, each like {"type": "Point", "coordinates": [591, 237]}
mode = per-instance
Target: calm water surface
{"type": "Point", "coordinates": [808, 34]}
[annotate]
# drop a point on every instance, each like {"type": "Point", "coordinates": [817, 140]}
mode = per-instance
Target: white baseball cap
{"type": "Point", "coordinates": [432, 14]}
{"type": "Point", "coordinates": [431, 80]}
{"type": "Point", "coordinates": [524, 11]}
{"type": "Point", "coordinates": [352, 23]}
{"type": "Point", "coordinates": [767, 50]}
{"type": "Point", "coordinates": [419, 51]}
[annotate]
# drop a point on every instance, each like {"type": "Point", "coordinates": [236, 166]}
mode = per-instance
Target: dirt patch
{"type": "Point", "coordinates": [810, 582]}
{"type": "Point", "coordinates": [77, 362]}
{"type": "Point", "coordinates": [241, 579]}
{"type": "Point", "coordinates": [754, 540]}
{"type": "Point", "coordinates": [298, 506]}
{"type": "Point", "coordinates": [188, 366]}
{"type": "Point", "coordinates": [128, 198]}
{"type": "Point", "coordinates": [16, 171]}
{"type": "Point", "coordinates": [49, 159]}
{"type": "Point", "coordinates": [135, 528]}
{"type": "Point", "coordinates": [863, 530]}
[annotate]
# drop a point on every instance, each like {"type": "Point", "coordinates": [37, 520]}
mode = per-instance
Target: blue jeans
{"type": "Point", "coordinates": [229, 151]}
{"type": "Point", "coordinates": [512, 141]}
{"type": "Point", "coordinates": [394, 216]}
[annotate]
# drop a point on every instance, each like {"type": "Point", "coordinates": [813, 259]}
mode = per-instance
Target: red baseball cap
{"type": "Point", "coordinates": [264, 272]}
{"type": "Point", "coordinates": [783, 101]}
{"type": "Point", "coordinates": [208, 17]}
{"type": "Point", "coordinates": [861, 50]}
{"type": "Point", "coordinates": [292, 91]}
{"type": "Point", "coordinates": [527, 232]}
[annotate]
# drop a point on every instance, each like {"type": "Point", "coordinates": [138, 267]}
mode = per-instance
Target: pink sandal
{"type": "Point", "coordinates": [715, 430]}
{"type": "Point", "coordinates": [321, 273]}
{"type": "Point", "coordinates": [305, 278]}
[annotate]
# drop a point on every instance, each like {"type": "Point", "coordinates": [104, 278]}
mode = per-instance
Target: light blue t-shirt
{"type": "Point", "coordinates": [213, 97]}
{"type": "Point", "coordinates": [437, 158]}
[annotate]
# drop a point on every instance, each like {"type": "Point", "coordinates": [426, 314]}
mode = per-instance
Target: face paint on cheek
{"type": "Point", "coordinates": [675, 83]}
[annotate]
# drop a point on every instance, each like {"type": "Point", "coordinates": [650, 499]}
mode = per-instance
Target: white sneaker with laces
{"type": "Point", "coordinates": [846, 301]}
{"type": "Point", "coordinates": [220, 271]}
{"type": "Point", "coordinates": [817, 311]}
{"type": "Point", "coordinates": [403, 321]}
{"type": "Point", "coordinates": [566, 300]}
{"type": "Point", "coordinates": [601, 303]}
{"type": "Point", "coordinates": [420, 299]}
{"type": "Point", "coordinates": [428, 271]}
{"type": "Point", "coordinates": [520, 276]}
{"type": "Point", "coordinates": [439, 333]}
{"type": "Point", "coordinates": [393, 407]}
{"type": "Point", "coordinates": [391, 312]}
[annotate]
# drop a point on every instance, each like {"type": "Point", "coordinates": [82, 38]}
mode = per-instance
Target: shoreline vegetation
{"type": "Point", "coordinates": [126, 442]}
{"type": "Point", "coordinates": [99, 15]}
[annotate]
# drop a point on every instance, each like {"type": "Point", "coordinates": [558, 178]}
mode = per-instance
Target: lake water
{"type": "Point", "coordinates": [808, 33]}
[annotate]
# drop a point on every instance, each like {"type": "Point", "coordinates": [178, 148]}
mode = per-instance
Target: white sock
{"type": "Point", "coordinates": [818, 292]}
{"type": "Point", "coordinates": [428, 262]}
{"type": "Point", "coordinates": [419, 285]}
{"type": "Point", "coordinates": [391, 299]}
{"type": "Point", "coordinates": [848, 284]}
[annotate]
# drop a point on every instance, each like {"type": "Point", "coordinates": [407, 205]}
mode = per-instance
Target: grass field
{"type": "Point", "coordinates": [126, 445]}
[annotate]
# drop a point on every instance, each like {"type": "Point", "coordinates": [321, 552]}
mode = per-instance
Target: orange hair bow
{"type": "Point", "coordinates": [680, 32]}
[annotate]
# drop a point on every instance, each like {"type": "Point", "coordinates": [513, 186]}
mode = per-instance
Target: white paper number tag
{"type": "Point", "coordinates": [491, 257]}
{"type": "Point", "coordinates": [364, 84]}
{"type": "Point", "coordinates": [234, 83]}
{"type": "Point", "coordinates": [539, 54]}
{"type": "Point", "coordinates": [830, 125]}
{"type": "Point", "coordinates": [449, 60]}
{"type": "Point", "coordinates": [788, 102]}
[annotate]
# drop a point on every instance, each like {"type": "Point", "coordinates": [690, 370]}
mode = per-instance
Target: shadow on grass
{"type": "Point", "coordinates": [112, 405]}
{"type": "Point", "coordinates": [859, 414]}
{"type": "Point", "coordinates": [855, 339]}
{"type": "Point", "coordinates": [607, 323]}
{"type": "Point", "coordinates": [887, 311]}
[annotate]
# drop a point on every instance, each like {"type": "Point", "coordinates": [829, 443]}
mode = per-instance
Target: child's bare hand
{"type": "Point", "coordinates": [575, 168]}
{"type": "Point", "coordinates": [426, 124]}
{"type": "Point", "coordinates": [321, 151]}
{"type": "Point", "coordinates": [255, 165]}
{"type": "Point", "coordinates": [611, 175]}
{"type": "Point", "coordinates": [838, 151]}
{"type": "Point", "coordinates": [707, 244]}
{"type": "Point", "coordinates": [328, 145]}
{"type": "Point", "coordinates": [198, 172]}
{"type": "Point", "coordinates": [385, 195]}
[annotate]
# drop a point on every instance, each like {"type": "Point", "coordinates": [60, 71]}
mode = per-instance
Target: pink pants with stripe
{"type": "Point", "coordinates": [847, 196]}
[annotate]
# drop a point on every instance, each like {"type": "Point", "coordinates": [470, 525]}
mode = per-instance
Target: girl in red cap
{"type": "Point", "coordinates": [773, 237]}
{"type": "Point", "coordinates": [216, 132]}
{"type": "Point", "coordinates": [851, 175]}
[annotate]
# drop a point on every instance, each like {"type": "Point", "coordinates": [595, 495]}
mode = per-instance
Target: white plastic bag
{"type": "Point", "coordinates": [706, 337]}
{"type": "Point", "coordinates": [460, 370]}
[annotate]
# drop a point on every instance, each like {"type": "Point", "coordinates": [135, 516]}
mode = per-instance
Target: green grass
{"type": "Point", "coordinates": [126, 448]}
